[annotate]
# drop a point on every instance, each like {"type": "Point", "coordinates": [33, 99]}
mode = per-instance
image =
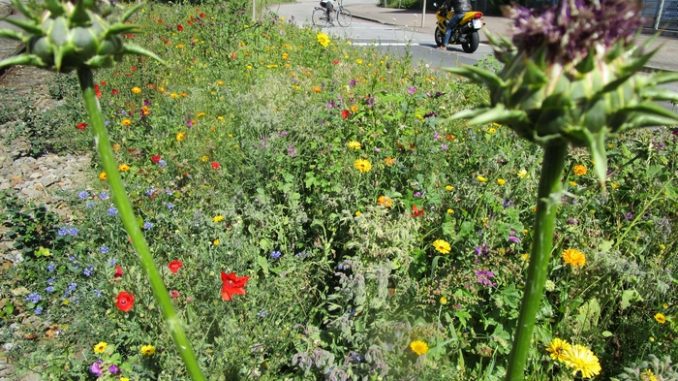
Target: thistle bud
{"type": "Point", "coordinates": [571, 75]}
{"type": "Point", "coordinates": [63, 36]}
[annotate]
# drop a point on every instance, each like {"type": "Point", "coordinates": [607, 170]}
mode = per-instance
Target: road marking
{"type": "Point", "coordinates": [376, 43]}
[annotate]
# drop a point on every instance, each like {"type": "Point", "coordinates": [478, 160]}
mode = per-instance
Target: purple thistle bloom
{"type": "Point", "coordinates": [484, 277]}
{"type": "Point", "coordinates": [352, 83]}
{"type": "Point", "coordinates": [369, 101]}
{"type": "Point", "coordinates": [411, 90]}
{"type": "Point", "coordinates": [113, 369]}
{"type": "Point", "coordinates": [570, 30]}
{"type": "Point", "coordinates": [96, 369]}
{"type": "Point", "coordinates": [513, 238]}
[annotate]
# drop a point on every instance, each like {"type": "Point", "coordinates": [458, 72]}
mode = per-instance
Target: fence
{"type": "Point", "coordinates": [661, 15]}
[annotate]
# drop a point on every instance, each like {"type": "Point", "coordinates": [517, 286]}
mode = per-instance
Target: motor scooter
{"type": "Point", "coordinates": [464, 33]}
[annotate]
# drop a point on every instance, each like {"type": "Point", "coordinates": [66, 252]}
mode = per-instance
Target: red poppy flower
{"type": "Point", "coordinates": [97, 91]}
{"type": "Point", "coordinates": [118, 272]}
{"type": "Point", "coordinates": [416, 212]}
{"type": "Point", "coordinates": [202, 15]}
{"type": "Point", "coordinates": [335, 62]}
{"type": "Point", "coordinates": [215, 165]}
{"type": "Point", "coordinates": [81, 126]}
{"type": "Point", "coordinates": [103, 83]}
{"type": "Point", "coordinates": [232, 285]}
{"type": "Point", "coordinates": [133, 68]}
{"type": "Point", "coordinates": [180, 27]}
{"type": "Point", "coordinates": [114, 92]}
{"type": "Point", "coordinates": [124, 301]}
{"type": "Point", "coordinates": [344, 114]}
{"type": "Point", "coordinates": [175, 265]}
{"type": "Point", "coordinates": [174, 294]}
{"type": "Point", "coordinates": [155, 159]}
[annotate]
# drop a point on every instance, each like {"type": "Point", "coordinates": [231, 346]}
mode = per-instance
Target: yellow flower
{"type": "Point", "coordinates": [574, 257]}
{"type": "Point", "coordinates": [665, 306]}
{"type": "Point", "coordinates": [572, 184]}
{"type": "Point", "coordinates": [354, 108]}
{"type": "Point", "coordinates": [449, 187]}
{"type": "Point", "coordinates": [147, 350]}
{"type": "Point", "coordinates": [614, 185]}
{"type": "Point", "coordinates": [385, 201]}
{"type": "Point", "coordinates": [124, 379]}
{"type": "Point", "coordinates": [219, 82]}
{"type": "Point", "coordinates": [359, 61]}
{"type": "Point", "coordinates": [441, 246]}
{"type": "Point", "coordinates": [43, 252]}
{"type": "Point", "coordinates": [204, 158]}
{"type": "Point", "coordinates": [443, 300]}
{"type": "Point", "coordinates": [249, 67]}
{"type": "Point", "coordinates": [556, 349]}
{"type": "Point", "coordinates": [419, 347]}
{"type": "Point", "coordinates": [450, 211]}
{"type": "Point", "coordinates": [136, 90]}
{"type": "Point", "coordinates": [501, 182]}
{"type": "Point", "coordinates": [389, 161]}
{"type": "Point", "coordinates": [358, 213]}
{"type": "Point", "coordinates": [323, 39]}
{"type": "Point", "coordinates": [217, 218]}
{"type": "Point", "coordinates": [126, 122]}
{"type": "Point", "coordinates": [491, 131]}
{"type": "Point", "coordinates": [200, 115]}
{"type": "Point", "coordinates": [101, 347]}
{"type": "Point", "coordinates": [123, 167]}
{"type": "Point", "coordinates": [648, 375]}
{"type": "Point", "coordinates": [660, 318]}
{"type": "Point", "coordinates": [481, 179]}
{"type": "Point", "coordinates": [271, 66]}
{"type": "Point", "coordinates": [362, 165]}
{"type": "Point", "coordinates": [525, 257]}
{"type": "Point", "coordinates": [216, 242]}
{"type": "Point", "coordinates": [221, 118]}
{"type": "Point", "coordinates": [181, 136]}
{"type": "Point", "coordinates": [174, 95]}
{"type": "Point", "coordinates": [354, 145]}
{"type": "Point", "coordinates": [522, 173]}
{"type": "Point", "coordinates": [180, 46]}
{"type": "Point", "coordinates": [285, 56]}
{"type": "Point", "coordinates": [579, 170]}
{"type": "Point", "coordinates": [103, 176]}
{"type": "Point", "coordinates": [116, 147]}
{"type": "Point", "coordinates": [581, 360]}
{"type": "Point", "coordinates": [316, 89]}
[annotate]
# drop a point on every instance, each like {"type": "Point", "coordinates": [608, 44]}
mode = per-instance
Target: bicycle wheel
{"type": "Point", "coordinates": [344, 16]}
{"type": "Point", "coordinates": [319, 17]}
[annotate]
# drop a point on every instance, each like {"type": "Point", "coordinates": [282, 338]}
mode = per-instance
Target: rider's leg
{"type": "Point", "coordinates": [450, 28]}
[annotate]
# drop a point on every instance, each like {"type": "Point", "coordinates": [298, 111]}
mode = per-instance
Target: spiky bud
{"type": "Point", "coordinates": [569, 76]}
{"type": "Point", "coordinates": [63, 36]}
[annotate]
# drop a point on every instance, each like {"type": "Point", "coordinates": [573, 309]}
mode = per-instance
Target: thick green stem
{"type": "Point", "coordinates": [124, 206]}
{"type": "Point", "coordinates": [547, 207]}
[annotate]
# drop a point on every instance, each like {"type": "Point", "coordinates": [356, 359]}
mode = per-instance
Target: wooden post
{"type": "Point", "coordinates": [254, 10]}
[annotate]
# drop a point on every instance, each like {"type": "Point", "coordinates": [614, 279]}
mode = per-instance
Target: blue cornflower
{"type": "Point", "coordinates": [276, 254]}
{"type": "Point", "coordinates": [104, 249]}
{"type": "Point", "coordinates": [149, 192]}
{"type": "Point", "coordinates": [162, 163]}
{"type": "Point", "coordinates": [169, 205]}
{"type": "Point", "coordinates": [33, 297]}
{"type": "Point", "coordinates": [262, 314]}
{"type": "Point", "coordinates": [88, 271]}
{"type": "Point", "coordinates": [62, 231]}
{"type": "Point", "coordinates": [112, 211]}
{"type": "Point", "coordinates": [49, 289]}
{"type": "Point", "coordinates": [90, 204]}
{"type": "Point", "coordinates": [97, 293]}
{"type": "Point", "coordinates": [73, 231]}
{"type": "Point", "coordinates": [38, 310]}
{"type": "Point", "coordinates": [84, 195]}
{"type": "Point", "coordinates": [103, 196]}
{"type": "Point", "coordinates": [148, 225]}
{"type": "Point", "coordinates": [112, 262]}
{"type": "Point", "coordinates": [51, 281]}
{"type": "Point", "coordinates": [70, 289]}
{"type": "Point", "coordinates": [51, 267]}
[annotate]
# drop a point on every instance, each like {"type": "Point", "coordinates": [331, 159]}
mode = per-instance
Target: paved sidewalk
{"type": "Point", "coordinates": [665, 59]}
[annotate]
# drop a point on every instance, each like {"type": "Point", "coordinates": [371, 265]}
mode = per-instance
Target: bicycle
{"type": "Point", "coordinates": [341, 14]}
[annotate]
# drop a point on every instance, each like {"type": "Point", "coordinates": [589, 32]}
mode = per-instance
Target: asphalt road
{"type": "Point", "coordinates": [397, 41]}
{"type": "Point", "coordinates": [394, 40]}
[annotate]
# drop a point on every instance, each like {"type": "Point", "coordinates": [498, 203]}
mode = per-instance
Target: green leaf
{"type": "Point", "coordinates": [660, 95]}
{"type": "Point", "coordinates": [19, 5]}
{"type": "Point", "coordinates": [479, 75]}
{"type": "Point", "coordinates": [501, 115]}
{"type": "Point", "coordinates": [138, 50]}
{"type": "Point", "coordinates": [263, 265]}
{"type": "Point", "coordinates": [22, 59]}
{"type": "Point", "coordinates": [661, 78]}
{"type": "Point", "coordinates": [29, 26]}
{"type": "Point", "coordinates": [131, 11]}
{"type": "Point", "coordinates": [467, 114]}
{"type": "Point", "coordinates": [629, 296]}
{"type": "Point", "coordinates": [13, 35]}
{"type": "Point", "coordinates": [587, 316]}
{"type": "Point", "coordinates": [121, 28]}
{"type": "Point", "coordinates": [596, 144]}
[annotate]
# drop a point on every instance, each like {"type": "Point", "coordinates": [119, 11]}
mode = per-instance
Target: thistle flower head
{"type": "Point", "coordinates": [571, 29]}
{"type": "Point", "coordinates": [63, 35]}
{"type": "Point", "coordinates": [571, 76]}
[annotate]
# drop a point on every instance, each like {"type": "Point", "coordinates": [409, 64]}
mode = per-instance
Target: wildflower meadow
{"type": "Point", "coordinates": [318, 211]}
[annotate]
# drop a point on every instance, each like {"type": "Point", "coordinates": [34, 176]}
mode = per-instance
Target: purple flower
{"type": "Point", "coordinates": [370, 100]}
{"type": "Point", "coordinates": [88, 271]}
{"type": "Point", "coordinates": [51, 267]}
{"type": "Point", "coordinates": [189, 123]}
{"type": "Point", "coordinates": [113, 369]}
{"type": "Point", "coordinates": [484, 277]}
{"type": "Point", "coordinates": [96, 369]}
{"type": "Point", "coordinates": [276, 254]}
{"type": "Point", "coordinates": [33, 297]}
{"type": "Point", "coordinates": [283, 133]}
{"type": "Point", "coordinates": [444, 147]}
{"type": "Point", "coordinates": [169, 205]}
{"type": "Point", "coordinates": [418, 194]}
{"type": "Point", "coordinates": [291, 150]}
{"type": "Point", "coordinates": [411, 90]}
{"type": "Point", "coordinates": [49, 289]}
{"type": "Point", "coordinates": [162, 163]}
{"type": "Point", "coordinates": [38, 310]}
{"type": "Point", "coordinates": [570, 30]}
{"type": "Point", "coordinates": [103, 196]}
{"type": "Point", "coordinates": [89, 204]}
{"type": "Point", "coordinates": [513, 238]}
{"type": "Point", "coordinates": [352, 83]}
{"type": "Point", "coordinates": [482, 250]}
{"type": "Point", "coordinates": [628, 216]}
{"type": "Point", "coordinates": [112, 211]}
{"type": "Point", "coordinates": [148, 225]}
{"type": "Point", "coordinates": [104, 249]}
{"type": "Point", "coordinates": [330, 105]}
{"type": "Point", "coordinates": [83, 195]}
